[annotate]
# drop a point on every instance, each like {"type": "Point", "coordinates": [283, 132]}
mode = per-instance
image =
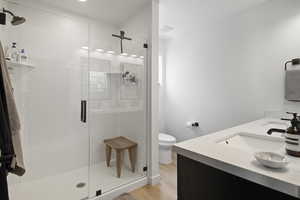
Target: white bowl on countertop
{"type": "Point", "coordinates": [271, 160]}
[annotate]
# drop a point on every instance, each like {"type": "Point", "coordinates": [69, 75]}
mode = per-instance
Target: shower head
{"type": "Point", "coordinates": [16, 20]}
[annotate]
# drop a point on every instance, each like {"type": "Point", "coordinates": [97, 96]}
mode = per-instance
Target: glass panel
{"type": "Point", "coordinates": [117, 111]}
{"type": "Point", "coordinates": [48, 93]}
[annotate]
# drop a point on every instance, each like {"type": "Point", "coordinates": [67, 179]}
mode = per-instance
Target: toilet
{"type": "Point", "coordinates": [165, 148]}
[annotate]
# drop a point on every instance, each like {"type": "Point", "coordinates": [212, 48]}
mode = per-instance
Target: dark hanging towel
{"type": "Point", "coordinates": [3, 184]}
{"type": "Point", "coordinates": [6, 145]}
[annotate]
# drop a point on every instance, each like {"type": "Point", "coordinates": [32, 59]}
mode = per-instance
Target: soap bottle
{"type": "Point", "coordinates": [9, 51]}
{"type": "Point", "coordinates": [23, 56]}
{"type": "Point", "coordinates": [14, 54]}
{"type": "Point", "coordinates": [292, 136]}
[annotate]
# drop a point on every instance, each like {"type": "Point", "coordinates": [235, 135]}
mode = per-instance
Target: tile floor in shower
{"type": "Point", "coordinates": [63, 186]}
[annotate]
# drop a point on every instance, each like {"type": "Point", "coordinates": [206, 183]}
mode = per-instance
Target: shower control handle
{"type": "Point", "coordinates": [83, 111]}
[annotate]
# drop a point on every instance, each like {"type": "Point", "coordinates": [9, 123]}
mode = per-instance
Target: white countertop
{"type": "Point", "coordinates": [242, 163]}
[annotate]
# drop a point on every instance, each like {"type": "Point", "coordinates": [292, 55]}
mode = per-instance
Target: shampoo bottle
{"type": "Point", "coordinates": [23, 57]}
{"type": "Point", "coordinates": [14, 54]}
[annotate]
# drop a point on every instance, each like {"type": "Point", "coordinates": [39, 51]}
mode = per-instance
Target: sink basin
{"type": "Point", "coordinates": [254, 143]}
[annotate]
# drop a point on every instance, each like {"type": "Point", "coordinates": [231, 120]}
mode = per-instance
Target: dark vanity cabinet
{"type": "Point", "coordinates": [197, 181]}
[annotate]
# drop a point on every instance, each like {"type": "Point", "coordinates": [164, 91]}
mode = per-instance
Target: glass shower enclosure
{"type": "Point", "coordinates": [78, 96]}
{"type": "Point", "coordinates": [117, 112]}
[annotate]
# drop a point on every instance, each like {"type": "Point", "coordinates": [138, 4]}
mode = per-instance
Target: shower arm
{"type": "Point", "coordinates": [9, 12]}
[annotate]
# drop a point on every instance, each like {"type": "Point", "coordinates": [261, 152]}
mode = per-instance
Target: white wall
{"type": "Point", "coordinates": [138, 27]}
{"type": "Point", "coordinates": [230, 71]}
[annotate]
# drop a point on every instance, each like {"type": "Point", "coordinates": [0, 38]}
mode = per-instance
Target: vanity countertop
{"type": "Point", "coordinates": [241, 163]}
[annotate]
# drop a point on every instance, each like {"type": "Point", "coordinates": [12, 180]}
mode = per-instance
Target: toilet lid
{"type": "Point", "coordinates": [166, 138]}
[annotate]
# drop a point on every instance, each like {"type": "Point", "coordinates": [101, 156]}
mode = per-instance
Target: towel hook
{"type": "Point", "coordinates": [295, 61]}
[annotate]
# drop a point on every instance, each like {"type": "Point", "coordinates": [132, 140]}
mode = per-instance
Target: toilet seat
{"type": "Point", "coordinates": [166, 139]}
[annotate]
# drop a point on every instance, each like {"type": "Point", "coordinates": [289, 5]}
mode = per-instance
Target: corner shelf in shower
{"type": "Point", "coordinates": [116, 110]}
{"type": "Point", "coordinates": [113, 73]}
{"type": "Point", "coordinates": [14, 65]}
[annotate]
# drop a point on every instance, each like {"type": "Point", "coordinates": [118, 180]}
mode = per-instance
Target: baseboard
{"type": "Point", "coordinates": [154, 180]}
{"type": "Point", "coordinates": [123, 189]}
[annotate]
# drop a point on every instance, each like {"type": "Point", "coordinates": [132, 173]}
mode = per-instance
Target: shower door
{"type": "Point", "coordinates": [117, 110]}
{"type": "Point", "coordinates": [48, 95]}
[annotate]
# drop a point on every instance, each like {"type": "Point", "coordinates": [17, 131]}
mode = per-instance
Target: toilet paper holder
{"type": "Point", "coordinates": [194, 124]}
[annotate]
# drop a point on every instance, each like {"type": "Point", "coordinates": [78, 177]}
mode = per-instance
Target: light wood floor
{"type": "Point", "coordinates": [166, 190]}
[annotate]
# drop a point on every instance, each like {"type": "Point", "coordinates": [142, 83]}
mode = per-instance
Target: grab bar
{"type": "Point", "coordinates": [295, 61]}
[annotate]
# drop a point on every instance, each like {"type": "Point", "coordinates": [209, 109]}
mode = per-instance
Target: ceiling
{"type": "Point", "coordinates": [180, 13]}
{"type": "Point", "coordinates": [114, 12]}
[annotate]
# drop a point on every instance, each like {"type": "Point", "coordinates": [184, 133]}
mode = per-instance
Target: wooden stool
{"type": "Point", "coordinates": [120, 144]}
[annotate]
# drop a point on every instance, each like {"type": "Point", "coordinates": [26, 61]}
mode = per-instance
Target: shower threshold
{"type": "Point", "coordinates": [65, 186]}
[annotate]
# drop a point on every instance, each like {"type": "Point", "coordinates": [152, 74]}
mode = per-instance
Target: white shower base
{"type": "Point", "coordinates": [63, 186]}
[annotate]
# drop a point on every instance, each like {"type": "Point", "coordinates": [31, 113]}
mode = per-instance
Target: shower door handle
{"type": "Point", "coordinates": [83, 111]}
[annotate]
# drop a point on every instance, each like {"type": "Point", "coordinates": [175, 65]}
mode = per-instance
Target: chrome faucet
{"type": "Point", "coordinates": [277, 130]}
{"type": "Point", "coordinates": [295, 123]}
